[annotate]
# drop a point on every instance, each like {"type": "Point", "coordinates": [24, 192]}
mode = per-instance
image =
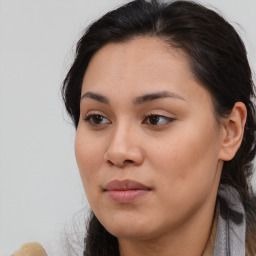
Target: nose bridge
{"type": "Point", "coordinates": [123, 146]}
{"type": "Point", "coordinates": [121, 139]}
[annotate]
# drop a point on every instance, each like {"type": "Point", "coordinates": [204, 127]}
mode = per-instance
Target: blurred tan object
{"type": "Point", "coordinates": [31, 249]}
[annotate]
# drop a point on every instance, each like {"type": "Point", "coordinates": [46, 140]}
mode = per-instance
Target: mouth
{"type": "Point", "coordinates": [126, 191]}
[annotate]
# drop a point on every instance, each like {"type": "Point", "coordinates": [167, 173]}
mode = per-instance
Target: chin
{"type": "Point", "coordinates": [131, 233]}
{"type": "Point", "coordinates": [133, 229]}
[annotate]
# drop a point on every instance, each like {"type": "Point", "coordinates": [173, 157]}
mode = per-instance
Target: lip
{"type": "Point", "coordinates": [125, 191]}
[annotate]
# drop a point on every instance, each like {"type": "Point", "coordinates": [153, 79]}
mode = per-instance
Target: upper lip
{"type": "Point", "coordinates": [125, 185]}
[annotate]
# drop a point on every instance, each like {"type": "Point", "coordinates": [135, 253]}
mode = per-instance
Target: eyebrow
{"type": "Point", "coordinates": [96, 96]}
{"type": "Point", "coordinates": [156, 95]}
{"type": "Point", "coordinates": [138, 100]}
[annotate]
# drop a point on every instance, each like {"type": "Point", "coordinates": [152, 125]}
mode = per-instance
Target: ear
{"type": "Point", "coordinates": [232, 131]}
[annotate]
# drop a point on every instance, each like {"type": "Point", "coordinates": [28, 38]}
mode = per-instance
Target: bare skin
{"type": "Point", "coordinates": [144, 117]}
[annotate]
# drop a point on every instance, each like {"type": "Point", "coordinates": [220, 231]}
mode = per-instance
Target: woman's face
{"type": "Point", "coordinates": [147, 143]}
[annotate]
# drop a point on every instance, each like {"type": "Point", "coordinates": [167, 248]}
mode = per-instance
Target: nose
{"type": "Point", "coordinates": [124, 149]}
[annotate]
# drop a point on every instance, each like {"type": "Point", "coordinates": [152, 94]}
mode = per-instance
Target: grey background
{"type": "Point", "coordinates": [40, 189]}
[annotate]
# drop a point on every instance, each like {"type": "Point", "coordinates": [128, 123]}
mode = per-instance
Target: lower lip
{"type": "Point", "coordinates": [126, 196]}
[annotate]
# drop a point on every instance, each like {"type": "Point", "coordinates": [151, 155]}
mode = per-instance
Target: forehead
{"type": "Point", "coordinates": [140, 65]}
{"type": "Point", "coordinates": [137, 57]}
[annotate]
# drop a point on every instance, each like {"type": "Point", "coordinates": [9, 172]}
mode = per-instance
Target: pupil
{"type": "Point", "coordinates": [97, 119]}
{"type": "Point", "coordinates": [154, 119]}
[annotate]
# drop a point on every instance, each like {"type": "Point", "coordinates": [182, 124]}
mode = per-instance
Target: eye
{"type": "Point", "coordinates": [154, 119]}
{"type": "Point", "coordinates": [96, 119]}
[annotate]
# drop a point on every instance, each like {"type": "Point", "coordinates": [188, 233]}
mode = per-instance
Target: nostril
{"type": "Point", "coordinates": [124, 163]}
{"type": "Point", "coordinates": [128, 161]}
{"type": "Point", "coordinates": [109, 163]}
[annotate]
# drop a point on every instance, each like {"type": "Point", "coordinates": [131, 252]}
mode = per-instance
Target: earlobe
{"type": "Point", "coordinates": [233, 130]}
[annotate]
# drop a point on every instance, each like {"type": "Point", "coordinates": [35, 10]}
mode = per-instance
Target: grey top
{"type": "Point", "coordinates": [230, 233]}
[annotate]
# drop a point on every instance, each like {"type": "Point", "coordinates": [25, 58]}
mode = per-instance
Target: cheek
{"type": "Point", "coordinates": [188, 156]}
{"type": "Point", "coordinates": [89, 156]}
{"type": "Point", "coordinates": [185, 168]}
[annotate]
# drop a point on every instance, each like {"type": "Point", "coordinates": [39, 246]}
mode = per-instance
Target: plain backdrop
{"type": "Point", "coordinates": [41, 196]}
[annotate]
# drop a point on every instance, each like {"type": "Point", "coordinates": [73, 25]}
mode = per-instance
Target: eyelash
{"type": "Point", "coordinates": [167, 120]}
{"type": "Point", "coordinates": [91, 116]}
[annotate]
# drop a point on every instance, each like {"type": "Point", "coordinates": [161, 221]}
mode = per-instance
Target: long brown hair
{"type": "Point", "coordinates": [218, 60]}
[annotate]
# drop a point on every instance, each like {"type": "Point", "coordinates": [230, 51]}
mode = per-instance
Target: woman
{"type": "Point", "coordinates": [161, 96]}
